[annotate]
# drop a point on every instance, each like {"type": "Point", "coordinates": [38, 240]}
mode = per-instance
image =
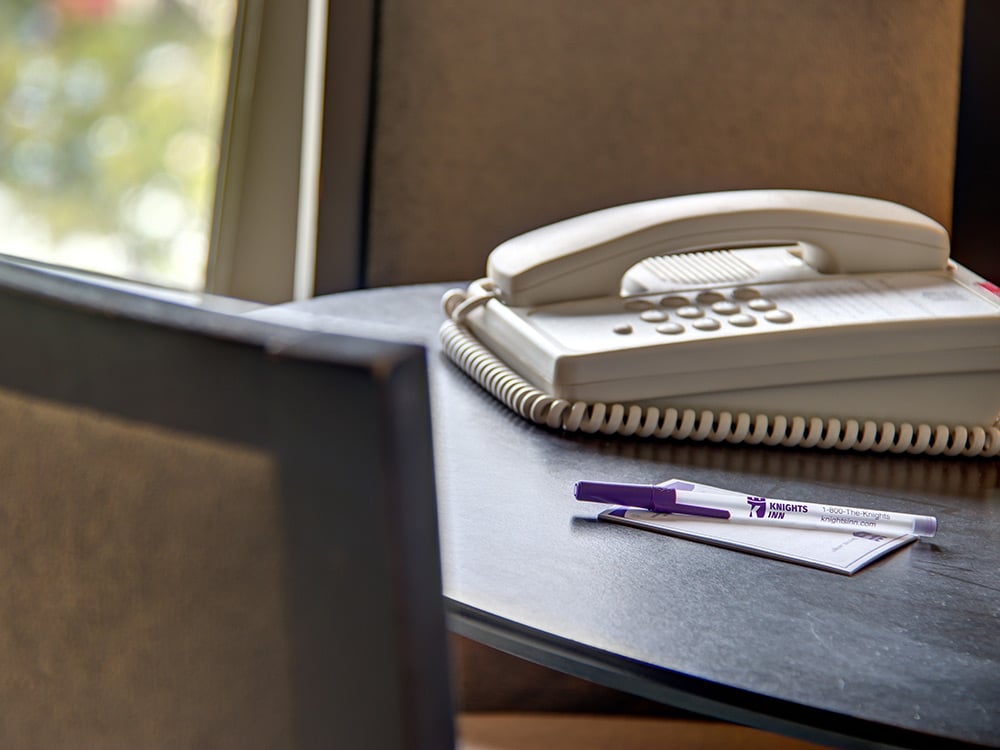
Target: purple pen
{"type": "Point", "coordinates": [754, 509]}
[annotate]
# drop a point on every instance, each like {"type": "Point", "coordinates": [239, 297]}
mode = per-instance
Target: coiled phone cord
{"type": "Point", "coordinates": [516, 393]}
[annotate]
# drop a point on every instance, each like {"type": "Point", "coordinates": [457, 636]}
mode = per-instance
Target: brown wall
{"type": "Point", "coordinates": [494, 118]}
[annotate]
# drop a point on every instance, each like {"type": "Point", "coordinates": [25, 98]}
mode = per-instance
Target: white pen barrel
{"type": "Point", "coordinates": [800, 515]}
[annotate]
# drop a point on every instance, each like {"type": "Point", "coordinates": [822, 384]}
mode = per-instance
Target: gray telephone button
{"type": "Point", "coordinates": [778, 316]}
{"type": "Point", "coordinates": [726, 308]}
{"type": "Point", "coordinates": [690, 312]}
{"type": "Point", "coordinates": [761, 304]}
{"type": "Point", "coordinates": [707, 298]}
{"type": "Point", "coordinates": [674, 300]}
{"type": "Point", "coordinates": [638, 305]}
{"type": "Point", "coordinates": [654, 316]}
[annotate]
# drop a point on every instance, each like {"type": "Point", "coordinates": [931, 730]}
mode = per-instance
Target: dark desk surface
{"type": "Point", "coordinates": [906, 650]}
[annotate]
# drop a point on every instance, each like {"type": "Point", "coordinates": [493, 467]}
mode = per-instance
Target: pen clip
{"type": "Point", "coordinates": [665, 501]}
{"type": "Point", "coordinates": [657, 498]}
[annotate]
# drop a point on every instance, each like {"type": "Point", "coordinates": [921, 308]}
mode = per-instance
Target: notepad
{"type": "Point", "coordinates": [836, 551]}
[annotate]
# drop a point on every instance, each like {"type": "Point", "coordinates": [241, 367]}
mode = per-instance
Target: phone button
{"type": "Point", "coordinates": [622, 329]}
{"type": "Point", "coordinates": [707, 324]}
{"type": "Point", "coordinates": [654, 316]}
{"type": "Point", "coordinates": [745, 292]}
{"type": "Point", "coordinates": [743, 320]}
{"type": "Point", "coordinates": [674, 300]}
{"type": "Point", "coordinates": [778, 316]}
{"type": "Point", "coordinates": [671, 329]}
{"type": "Point", "coordinates": [638, 305]}
{"type": "Point", "coordinates": [761, 305]}
{"type": "Point", "coordinates": [726, 308]}
{"type": "Point", "coordinates": [690, 311]}
{"type": "Point", "coordinates": [707, 298]}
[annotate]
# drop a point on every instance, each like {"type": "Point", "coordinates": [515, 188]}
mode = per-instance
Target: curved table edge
{"type": "Point", "coordinates": [683, 691]}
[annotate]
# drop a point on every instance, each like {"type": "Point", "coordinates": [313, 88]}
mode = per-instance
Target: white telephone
{"type": "Point", "coordinates": [782, 317]}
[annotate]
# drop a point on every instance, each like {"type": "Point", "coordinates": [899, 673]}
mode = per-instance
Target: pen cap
{"type": "Point", "coordinates": [925, 526]}
{"type": "Point", "coordinates": [632, 495]}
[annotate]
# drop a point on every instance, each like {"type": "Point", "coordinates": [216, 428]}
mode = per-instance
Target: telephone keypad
{"type": "Point", "coordinates": [706, 312]}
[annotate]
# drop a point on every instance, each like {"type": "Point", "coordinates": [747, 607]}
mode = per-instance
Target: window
{"type": "Point", "coordinates": [110, 118]}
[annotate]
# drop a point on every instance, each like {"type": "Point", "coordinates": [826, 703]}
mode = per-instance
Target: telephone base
{"type": "Point", "coordinates": [785, 317]}
{"type": "Point", "coordinates": [671, 422]}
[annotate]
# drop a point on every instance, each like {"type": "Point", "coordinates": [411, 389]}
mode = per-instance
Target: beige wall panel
{"type": "Point", "coordinates": [142, 585]}
{"type": "Point", "coordinates": [497, 117]}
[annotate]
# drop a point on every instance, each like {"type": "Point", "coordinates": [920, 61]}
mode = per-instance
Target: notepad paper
{"type": "Point", "coordinates": [837, 551]}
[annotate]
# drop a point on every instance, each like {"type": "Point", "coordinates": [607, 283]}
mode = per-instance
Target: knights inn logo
{"type": "Point", "coordinates": [758, 508]}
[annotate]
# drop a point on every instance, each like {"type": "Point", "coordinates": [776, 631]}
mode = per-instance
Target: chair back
{"type": "Point", "coordinates": [217, 532]}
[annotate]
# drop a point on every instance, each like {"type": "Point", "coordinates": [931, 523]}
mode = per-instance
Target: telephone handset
{"type": "Point", "coordinates": [586, 256]}
{"type": "Point", "coordinates": [774, 316]}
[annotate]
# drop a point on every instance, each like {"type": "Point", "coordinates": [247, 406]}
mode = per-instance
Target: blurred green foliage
{"type": "Point", "coordinates": [110, 118]}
